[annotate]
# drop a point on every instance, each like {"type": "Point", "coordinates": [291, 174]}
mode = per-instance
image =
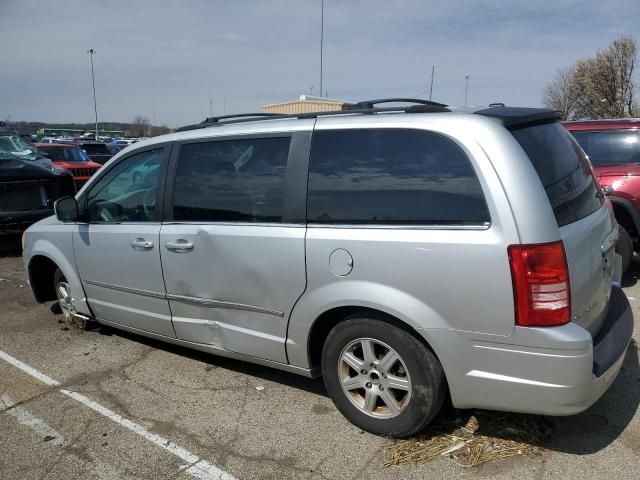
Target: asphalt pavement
{"type": "Point", "coordinates": [106, 404]}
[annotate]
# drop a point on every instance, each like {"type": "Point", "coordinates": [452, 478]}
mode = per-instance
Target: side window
{"type": "Point", "coordinates": [401, 177]}
{"type": "Point", "coordinates": [128, 192]}
{"type": "Point", "coordinates": [231, 180]}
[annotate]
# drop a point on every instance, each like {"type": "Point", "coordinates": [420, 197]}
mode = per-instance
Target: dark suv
{"type": "Point", "coordinates": [613, 146]}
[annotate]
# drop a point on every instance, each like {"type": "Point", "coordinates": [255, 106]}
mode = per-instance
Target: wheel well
{"type": "Point", "coordinates": [41, 271]}
{"type": "Point", "coordinates": [329, 319]}
{"type": "Point", "coordinates": [625, 220]}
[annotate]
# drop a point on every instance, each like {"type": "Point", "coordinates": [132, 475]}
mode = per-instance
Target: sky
{"type": "Point", "coordinates": [169, 59]}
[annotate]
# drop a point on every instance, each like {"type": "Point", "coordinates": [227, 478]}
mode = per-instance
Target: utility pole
{"type": "Point", "coordinates": [91, 53]}
{"type": "Point", "coordinates": [466, 89]}
{"type": "Point", "coordinates": [321, 40]}
{"type": "Point", "coordinates": [433, 72]}
{"type": "Point", "coordinates": [211, 107]}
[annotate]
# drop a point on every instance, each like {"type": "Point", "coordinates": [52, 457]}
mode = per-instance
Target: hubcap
{"type": "Point", "coordinates": [63, 292]}
{"type": "Point", "coordinates": [374, 378]}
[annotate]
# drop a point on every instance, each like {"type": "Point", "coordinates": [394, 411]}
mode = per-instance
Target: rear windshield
{"type": "Point", "coordinates": [611, 147]}
{"type": "Point", "coordinates": [563, 169]}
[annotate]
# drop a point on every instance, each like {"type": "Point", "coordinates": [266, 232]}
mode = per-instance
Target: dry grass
{"type": "Point", "coordinates": [473, 440]}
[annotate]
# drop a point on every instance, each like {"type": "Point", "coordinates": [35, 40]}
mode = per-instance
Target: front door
{"type": "Point", "coordinates": [233, 255]}
{"type": "Point", "coordinates": [117, 250]}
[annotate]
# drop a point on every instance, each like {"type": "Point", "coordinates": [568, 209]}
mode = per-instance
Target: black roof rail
{"type": "Point", "coordinates": [240, 115]}
{"type": "Point", "coordinates": [235, 118]}
{"type": "Point", "coordinates": [370, 103]}
{"type": "Point", "coordinates": [497, 104]}
{"type": "Point", "coordinates": [364, 108]}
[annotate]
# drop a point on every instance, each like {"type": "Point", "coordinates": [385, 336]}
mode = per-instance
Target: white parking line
{"type": "Point", "coordinates": [194, 465]}
{"type": "Point", "coordinates": [42, 428]}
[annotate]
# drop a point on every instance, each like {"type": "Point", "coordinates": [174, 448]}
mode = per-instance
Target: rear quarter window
{"type": "Point", "coordinates": [392, 177]}
{"type": "Point", "coordinates": [563, 168]}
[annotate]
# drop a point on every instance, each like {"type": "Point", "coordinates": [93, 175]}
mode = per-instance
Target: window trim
{"type": "Point", "coordinates": [294, 193]}
{"type": "Point", "coordinates": [84, 197]}
{"type": "Point", "coordinates": [409, 226]}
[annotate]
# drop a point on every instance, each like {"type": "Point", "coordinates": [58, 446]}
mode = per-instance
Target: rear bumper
{"type": "Point", "coordinates": [552, 371]}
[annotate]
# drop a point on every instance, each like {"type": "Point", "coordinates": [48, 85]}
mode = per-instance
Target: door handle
{"type": "Point", "coordinates": [141, 244]}
{"type": "Point", "coordinates": [179, 246]}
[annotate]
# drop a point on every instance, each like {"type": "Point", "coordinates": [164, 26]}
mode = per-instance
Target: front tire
{"type": "Point", "coordinates": [382, 378]}
{"type": "Point", "coordinates": [63, 294]}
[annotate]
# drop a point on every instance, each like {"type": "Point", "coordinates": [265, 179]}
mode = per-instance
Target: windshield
{"type": "Point", "coordinates": [12, 146]}
{"type": "Point", "coordinates": [610, 147]}
{"type": "Point", "coordinates": [65, 154]}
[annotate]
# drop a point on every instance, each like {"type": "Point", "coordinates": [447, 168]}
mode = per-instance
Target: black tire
{"type": "Point", "coordinates": [428, 383]}
{"type": "Point", "coordinates": [58, 277]}
{"type": "Point", "coordinates": [625, 248]}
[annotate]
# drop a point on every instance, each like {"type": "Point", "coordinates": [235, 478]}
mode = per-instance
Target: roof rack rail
{"type": "Point", "coordinates": [235, 118]}
{"type": "Point", "coordinates": [363, 108]}
{"type": "Point", "coordinates": [370, 103]}
{"type": "Point", "coordinates": [239, 115]}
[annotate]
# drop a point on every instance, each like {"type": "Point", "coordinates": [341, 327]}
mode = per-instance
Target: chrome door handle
{"type": "Point", "coordinates": [141, 244]}
{"type": "Point", "coordinates": [179, 246]}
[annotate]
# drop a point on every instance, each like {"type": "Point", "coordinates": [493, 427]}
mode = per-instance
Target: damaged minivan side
{"type": "Point", "coordinates": [403, 253]}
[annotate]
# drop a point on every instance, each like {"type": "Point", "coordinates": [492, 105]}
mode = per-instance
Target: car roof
{"type": "Point", "coordinates": [608, 124]}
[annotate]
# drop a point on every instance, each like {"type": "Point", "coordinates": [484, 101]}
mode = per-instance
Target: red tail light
{"type": "Point", "coordinates": [541, 284]}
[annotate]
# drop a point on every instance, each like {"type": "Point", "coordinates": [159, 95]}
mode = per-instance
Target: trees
{"type": "Point", "coordinates": [559, 94]}
{"type": "Point", "coordinates": [141, 126]}
{"type": "Point", "coordinates": [597, 87]}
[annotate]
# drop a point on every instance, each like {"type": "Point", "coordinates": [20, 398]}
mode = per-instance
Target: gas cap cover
{"type": "Point", "coordinates": [341, 262]}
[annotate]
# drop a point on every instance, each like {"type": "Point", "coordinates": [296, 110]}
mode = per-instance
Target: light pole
{"type": "Point", "coordinates": [321, 40]}
{"type": "Point", "coordinates": [91, 53]}
{"type": "Point", "coordinates": [466, 89]}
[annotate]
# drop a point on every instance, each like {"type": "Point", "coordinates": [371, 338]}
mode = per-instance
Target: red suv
{"type": "Point", "coordinates": [613, 146]}
{"type": "Point", "coordinates": [71, 158]}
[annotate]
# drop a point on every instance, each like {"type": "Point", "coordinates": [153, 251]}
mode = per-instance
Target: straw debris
{"type": "Point", "coordinates": [473, 440]}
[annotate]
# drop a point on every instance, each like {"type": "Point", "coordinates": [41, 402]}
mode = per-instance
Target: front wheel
{"type": "Point", "coordinates": [381, 378]}
{"type": "Point", "coordinates": [63, 293]}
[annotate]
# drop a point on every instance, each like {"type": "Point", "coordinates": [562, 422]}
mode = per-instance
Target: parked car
{"type": "Point", "coordinates": [29, 185]}
{"type": "Point", "coordinates": [360, 245]}
{"type": "Point", "coordinates": [98, 151]}
{"type": "Point", "coordinates": [71, 158]}
{"type": "Point", "coordinates": [613, 147]}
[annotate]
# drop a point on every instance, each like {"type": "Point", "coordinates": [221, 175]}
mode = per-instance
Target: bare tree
{"type": "Point", "coordinates": [559, 93]}
{"type": "Point", "coordinates": [141, 126]}
{"type": "Point", "coordinates": [603, 84]}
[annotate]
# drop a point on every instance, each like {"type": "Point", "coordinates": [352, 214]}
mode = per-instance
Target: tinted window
{"type": "Point", "coordinates": [96, 148]}
{"type": "Point", "coordinates": [563, 169]}
{"type": "Point", "coordinates": [65, 154]}
{"type": "Point", "coordinates": [231, 180]}
{"type": "Point", "coordinates": [128, 192]}
{"type": "Point", "coordinates": [405, 177]}
{"type": "Point", "coordinates": [612, 147]}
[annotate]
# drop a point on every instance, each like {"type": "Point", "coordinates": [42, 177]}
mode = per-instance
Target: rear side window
{"type": "Point", "coordinates": [610, 147]}
{"type": "Point", "coordinates": [563, 169]}
{"type": "Point", "coordinates": [231, 181]}
{"type": "Point", "coordinates": [392, 177]}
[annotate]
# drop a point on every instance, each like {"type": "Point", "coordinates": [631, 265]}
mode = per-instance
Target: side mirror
{"type": "Point", "coordinates": [66, 209]}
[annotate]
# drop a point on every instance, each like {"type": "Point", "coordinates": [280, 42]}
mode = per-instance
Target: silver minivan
{"type": "Point", "coordinates": [405, 253]}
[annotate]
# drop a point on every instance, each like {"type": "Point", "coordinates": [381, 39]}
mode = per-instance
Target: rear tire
{"type": "Point", "coordinates": [377, 392]}
{"type": "Point", "coordinates": [624, 247]}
